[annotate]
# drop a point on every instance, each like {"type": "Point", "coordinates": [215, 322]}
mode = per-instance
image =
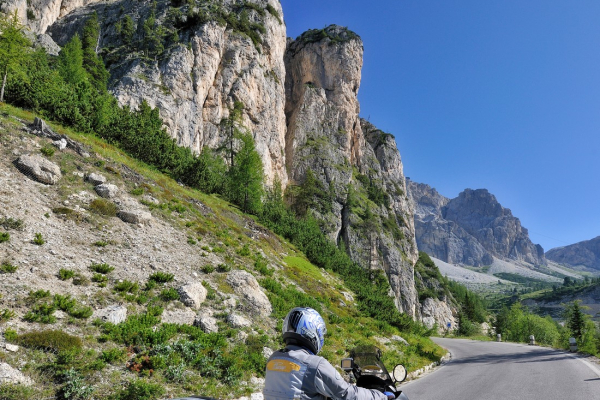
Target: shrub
{"type": "Point", "coordinates": [38, 239]}
{"type": "Point", "coordinates": [48, 151]}
{"type": "Point", "coordinates": [5, 315]}
{"type": "Point", "coordinates": [81, 280]}
{"type": "Point", "coordinates": [10, 335]}
{"type": "Point", "coordinates": [207, 269]}
{"type": "Point", "coordinates": [161, 277]}
{"type": "Point", "coordinates": [100, 279]}
{"type": "Point", "coordinates": [114, 355]}
{"type": "Point", "coordinates": [102, 268]}
{"type": "Point", "coordinates": [64, 303]}
{"type": "Point", "coordinates": [244, 251]}
{"type": "Point", "coordinates": [55, 341]}
{"type": "Point", "coordinates": [103, 207]}
{"type": "Point", "coordinates": [140, 390]}
{"type": "Point", "coordinates": [7, 268]}
{"type": "Point", "coordinates": [169, 294]}
{"type": "Point", "coordinates": [42, 313]}
{"type": "Point", "coordinates": [224, 267]}
{"type": "Point", "coordinates": [100, 243]}
{"type": "Point", "coordinates": [4, 237]}
{"type": "Point", "coordinates": [16, 392]}
{"type": "Point", "coordinates": [65, 274]}
{"type": "Point", "coordinates": [74, 387]}
{"type": "Point", "coordinates": [137, 191]}
{"type": "Point", "coordinates": [127, 287]}
{"type": "Point", "coordinates": [38, 295]}
{"type": "Point", "coordinates": [260, 264]}
{"type": "Point", "coordinates": [11, 223]}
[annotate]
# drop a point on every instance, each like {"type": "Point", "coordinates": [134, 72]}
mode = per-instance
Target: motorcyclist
{"type": "Point", "coordinates": [297, 372]}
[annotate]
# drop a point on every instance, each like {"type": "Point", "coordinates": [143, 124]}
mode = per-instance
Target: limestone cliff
{"type": "Point", "coordinates": [359, 164]}
{"type": "Point", "coordinates": [470, 229]}
{"type": "Point", "coordinates": [583, 254]}
{"type": "Point", "coordinates": [206, 67]}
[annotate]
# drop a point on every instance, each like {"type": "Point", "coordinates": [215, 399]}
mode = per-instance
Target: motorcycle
{"type": "Point", "coordinates": [367, 370]}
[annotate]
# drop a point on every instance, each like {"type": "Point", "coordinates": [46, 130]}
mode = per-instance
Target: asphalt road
{"type": "Point", "coordinates": [506, 371]}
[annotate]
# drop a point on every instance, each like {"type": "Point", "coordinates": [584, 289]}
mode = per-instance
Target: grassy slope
{"type": "Point", "coordinates": [291, 278]}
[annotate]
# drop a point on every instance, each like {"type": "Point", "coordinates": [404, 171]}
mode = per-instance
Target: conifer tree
{"type": "Point", "coordinates": [92, 62]}
{"type": "Point", "coordinates": [13, 48]}
{"type": "Point", "coordinates": [70, 62]}
{"type": "Point", "coordinates": [246, 177]}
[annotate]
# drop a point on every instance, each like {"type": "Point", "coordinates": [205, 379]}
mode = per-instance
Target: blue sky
{"type": "Point", "coordinates": [495, 94]}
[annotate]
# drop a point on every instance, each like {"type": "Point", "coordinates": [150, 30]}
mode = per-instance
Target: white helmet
{"type": "Point", "coordinates": [305, 327]}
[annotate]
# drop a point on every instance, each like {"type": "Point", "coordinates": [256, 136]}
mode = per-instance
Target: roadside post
{"type": "Point", "coordinates": [572, 345]}
{"type": "Point", "coordinates": [499, 337]}
{"type": "Point", "coordinates": [531, 340]}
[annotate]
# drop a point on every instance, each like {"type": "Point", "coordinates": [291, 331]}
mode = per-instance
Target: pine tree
{"type": "Point", "coordinates": [93, 63]}
{"type": "Point", "coordinates": [13, 48]}
{"type": "Point", "coordinates": [246, 177]}
{"type": "Point", "coordinates": [70, 62]}
{"type": "Point", "coordinates": [575, 319]}
{"type": "Point", "coordinates": [127, 30]}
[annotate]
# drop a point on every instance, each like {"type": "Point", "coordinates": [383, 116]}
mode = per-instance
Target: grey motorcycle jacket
{"type": "Point", "coordinates": [294, 373]}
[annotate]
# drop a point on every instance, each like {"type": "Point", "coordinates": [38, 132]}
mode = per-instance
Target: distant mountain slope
{"type": "Point", "coordinates": [582, 254]}
{"type": "Point", "coordinates": [470, 229]}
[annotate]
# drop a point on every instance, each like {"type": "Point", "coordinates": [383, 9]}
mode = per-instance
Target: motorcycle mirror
{"type": "Point", "coordinates": [347, 364]}
{"type": "Point", "coordinates": [399, 373]}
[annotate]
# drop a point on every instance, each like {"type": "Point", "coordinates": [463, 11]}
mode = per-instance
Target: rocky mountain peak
{"type": "Point", "coordinates": [470, 229]}
{"type": "Point", "coordinates": [583, 254]}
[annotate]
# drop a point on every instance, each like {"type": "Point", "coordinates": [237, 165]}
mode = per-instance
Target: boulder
{"type": "Point", "coordinates": [107, 190]}
{"type": "Point", "coordinates": [95, 179]}
{"type": "Point", "coordinates": [11, 347]}
{"type": "Point", "coordinates": [10, 375]}
{"type": "Point", "coordinates": [238, 321]}
{"type": "Point", "coordinates": [207, 323]}
{"type": "Point", "coordinates": [38, 168]}
{"type": "Point", "coordinates": [246, 286]}
{"type": "Point", "coordinates": [60, 144]}
{"type": "Point", "coordinates": [192, 294]}
{"type": "Point", "coordinates": [135, 216]}
{"type": "Point", "coordinates": [113, 314]}
{"type": "Point", "coordinates": [180, 317]}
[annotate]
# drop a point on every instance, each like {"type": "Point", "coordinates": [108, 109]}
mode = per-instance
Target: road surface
{"type": "Point", "coordinates": [506, 371]}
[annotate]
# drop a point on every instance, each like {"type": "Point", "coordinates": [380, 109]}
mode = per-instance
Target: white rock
{"type": "Point", "coordinates": [11, 347]}
{"type": "Point", "coordinates": [114, 314]}
{"type": "Point", "coordinates": [60, 144]}
{"type": "Point", "coordinates": [135, 216]}
{"type": "Point", "coordinates": [207, 323]}
{"type": "Point", "coordinates": [245, 285]}
{"type": "Point", "coordinates": [96, 179]}
{"type": "Point", "coordinates": [10, 375]}
{"type": "Point", "coordinates": [181, 317]}
{"type": "Point", "coordinates": [38, 168]}
{"type": "Point", "coordinates": [107, 190]}
{"type": "Point", "coordinates": [192, 294]}
{"type": "Point", "coordinates": [238, 321]}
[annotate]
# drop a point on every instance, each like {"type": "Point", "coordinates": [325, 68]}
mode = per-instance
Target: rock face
{"type": "Point", "coordinates": [196, 86]}
{"type": "Point", "coordinates": [38, 15]}
{"type": "Point", "coordinates": [470, 229]}
{"type": "Point", "coordinates": [582, 254]}
{"type": "Point", "coordinates": [326, 137]}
